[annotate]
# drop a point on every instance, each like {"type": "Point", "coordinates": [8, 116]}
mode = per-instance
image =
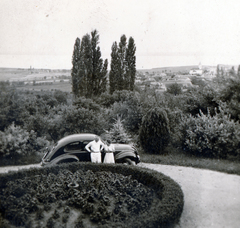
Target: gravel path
{"type": "Point", "coordinates": [16, 168]}
{"type": "Point", "coordinates": [211, 199]}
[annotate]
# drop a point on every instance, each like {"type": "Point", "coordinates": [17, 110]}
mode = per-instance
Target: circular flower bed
{"type": "Point", "coordinates": [89, 195]}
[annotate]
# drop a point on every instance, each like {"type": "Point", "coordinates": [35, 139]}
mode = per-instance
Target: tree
{"type": "Point", "coordinates": [99, 69]}
{"type": "Point", "coordinates": [131, 65]}
{"type": "Point", "coordinates": [218, 70]}
{"type": "Point", "coordinates": [238, 72]}
{"type": "Point", "coordinates": [123, 65]}
{"type": "Point", "coordinates": [114, 68]}
{"type": "Point", "coordinates": [117, 133]}
{"type": "Point", "coordinates": [75, 63]}
{"type": "Point", "coordinates": [154, 133]}
{"type": "Point", "coordinates": [89, 72]}
{"type": "Point", "coordinates": [232, 72]}
{"type": "Point", "coordinates": [174, 89]}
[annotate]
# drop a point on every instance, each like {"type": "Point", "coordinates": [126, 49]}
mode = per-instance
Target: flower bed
{"type": "Point", "coordinates": [89, 195]}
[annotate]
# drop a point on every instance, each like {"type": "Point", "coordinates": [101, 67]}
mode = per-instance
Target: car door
{"type": "Point", "coordinates": [78, 149]}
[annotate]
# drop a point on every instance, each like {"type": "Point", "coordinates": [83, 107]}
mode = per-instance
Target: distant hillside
{"type": "Point", "coordinates": [174, 69]}
{"type": "Point", "coordinates": [20, 73]}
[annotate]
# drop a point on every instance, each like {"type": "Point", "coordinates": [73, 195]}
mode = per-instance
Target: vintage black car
{"type": "Point", "coordinates": [72, 148]}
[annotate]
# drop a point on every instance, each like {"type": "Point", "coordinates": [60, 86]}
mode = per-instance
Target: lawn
{"type": "Point", "coordinates": [180, 158]}
{"type": "Point", "coordinates": [63, 86]}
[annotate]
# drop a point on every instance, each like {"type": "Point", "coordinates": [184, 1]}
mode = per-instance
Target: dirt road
{"type": "Point", "coordinates": [212, 199]}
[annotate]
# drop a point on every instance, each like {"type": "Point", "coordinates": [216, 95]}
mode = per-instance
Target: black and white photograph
{"type": "Point", "coordinates": [119, 114]}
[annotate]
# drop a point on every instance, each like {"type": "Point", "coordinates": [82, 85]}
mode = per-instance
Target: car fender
{"type": "Point", "coordinates": [64, 157]}
{"type": "Point", "coordinates": [124, 154]}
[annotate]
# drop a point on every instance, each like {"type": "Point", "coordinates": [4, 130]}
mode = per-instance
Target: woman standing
{"type": "Point", "coordinates": [109, 149]}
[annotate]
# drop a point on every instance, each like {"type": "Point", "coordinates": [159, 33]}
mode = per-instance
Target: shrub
{"type": "Point", "coordinates": [196, 99]}
{"type": "Point", "coordinates": [131, 111]}
{"type": "Point", "coordinates": [60, 96]}
{"type": "Point", "coordinates": [79, 119]}
{"type": "Point", "coordinates": [212, 136]}
{"type": "Point", "coordinates": [165, 210]}
{"type": "Point", "coordinates": [174, 89]}
{"type": "Point", "coordinates": [16, 142]}
{"type": "Point", "coordinates": [175, 118]}
{"type": "Point", "coordinates": [231, 95]}
{"type": "Point", "coordinates": [117, 133]}
{"type": "Point", "coordinates": [155, 133]}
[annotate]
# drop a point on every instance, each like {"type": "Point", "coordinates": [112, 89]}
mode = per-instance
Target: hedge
{"type": "Point", "coordinates": [163, 213]}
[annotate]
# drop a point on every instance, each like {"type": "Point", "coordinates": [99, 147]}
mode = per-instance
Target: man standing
{"type": "Point", "coordinates": [94, 147]}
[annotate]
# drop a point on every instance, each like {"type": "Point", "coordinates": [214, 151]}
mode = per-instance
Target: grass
{"type": "Point", "coordinates": [63, 86]}
{"type": "Point", "coordinates": [180, 158]}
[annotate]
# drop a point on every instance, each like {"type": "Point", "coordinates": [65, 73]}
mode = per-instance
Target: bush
{"type": "Point", "coordinates": [16, 142]}
{"type": "Point", "coordinates": [117, 133]}
{"type": "Point", "coordinates": [79, 119]}
{"type": "Point", "coordinates": [174, 89]}
{"type": "Point", "coordinates": [212, 136]}
{"type": "Point", "coordinates": [165, 210]}
{"type": "Point", "coordinates": [155, 133]}
{"type": "Point", "coordinates": [131, 111]}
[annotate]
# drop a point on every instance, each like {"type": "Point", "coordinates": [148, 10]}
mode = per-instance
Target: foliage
{"type": "Point", "coordinates": [127, 105]}
{"type": "Point", "coordinates": [16, 142]}
{"type": "Point", "coordinates": [196, 99]}
{"type": "Point", "coordinates": [87, 103]}
{"type": "Point", "coordinates": [123, 65]}
{"type": "Point", "coordinates": [230, 94]}
{"type": "Point", "coordinates": [114, 68]}
{"type": "Point", "coordinates": [89, 72]}
{"type": "Point", "coordinates": [75, 60]}
{"type": "Point", "coordinates": [155, 133]}
{"type": "Point", "coordinates": [78, 120]}
{"type": "Point", "coordinates": [110, 195]}
{"type": "Point", "coordinates": [174, 89]}
{"type": "Point", "coordinates": [213, 136]}
{"type": "Point", "coordinates": [117, 133]}
{"type": "Point", "coordinates": [198, 81]}
{"type": "Point", "coordinates": [130, 65]}
{"type": "Point", "coordinates": [60, 96]}
{"type": "Point", "coordinates": [19, 106]}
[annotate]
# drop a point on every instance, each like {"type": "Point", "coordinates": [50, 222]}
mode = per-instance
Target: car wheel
{"type": "Point", "coordinates": [128, 161]}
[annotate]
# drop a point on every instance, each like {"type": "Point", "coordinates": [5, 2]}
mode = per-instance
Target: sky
{"type": "Point", "coordinates": [42, 33]}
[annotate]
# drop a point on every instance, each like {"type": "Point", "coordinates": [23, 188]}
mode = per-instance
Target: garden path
{"type": "Point", "coordinates": [211, 199]}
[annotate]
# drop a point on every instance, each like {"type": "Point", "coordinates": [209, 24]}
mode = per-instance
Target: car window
{"type": "Point", "coordinates": [73, 146]}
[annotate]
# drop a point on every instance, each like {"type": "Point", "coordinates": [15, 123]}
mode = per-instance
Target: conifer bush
{"type": "Point", "coordinates": [155, 132]}
{"type": "Point", "coordinates": [118, 133]}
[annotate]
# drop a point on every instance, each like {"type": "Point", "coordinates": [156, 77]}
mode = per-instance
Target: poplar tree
{"type": "Point", "coordinates": [123, 65]}
{"type": "Point", "coordinates": [131, 65]}
{"type": "Point", "coordinates": [238, 72]}
{"type": "Point", "coordinates": [89, 72]}
{"type": "Point", "coordinates": [75, 65]}
{"type": "Point", "coordinates": [114, 68]}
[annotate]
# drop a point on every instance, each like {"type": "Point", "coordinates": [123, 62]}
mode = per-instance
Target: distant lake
{"type": "Point", "coordinates": [65, 61]}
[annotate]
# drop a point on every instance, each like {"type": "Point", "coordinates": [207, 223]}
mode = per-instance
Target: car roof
{"type": "Point", "coordinates": [76, 137]}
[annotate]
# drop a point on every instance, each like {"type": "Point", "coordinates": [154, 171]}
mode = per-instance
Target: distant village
{"type": "Point", "coordinates": [157, 79]}
{"type": "Point", "coordinates": [160, 79]}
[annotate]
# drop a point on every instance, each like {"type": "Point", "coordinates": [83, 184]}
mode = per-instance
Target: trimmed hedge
{"type": "Point", "coordinates": [163, 213]}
